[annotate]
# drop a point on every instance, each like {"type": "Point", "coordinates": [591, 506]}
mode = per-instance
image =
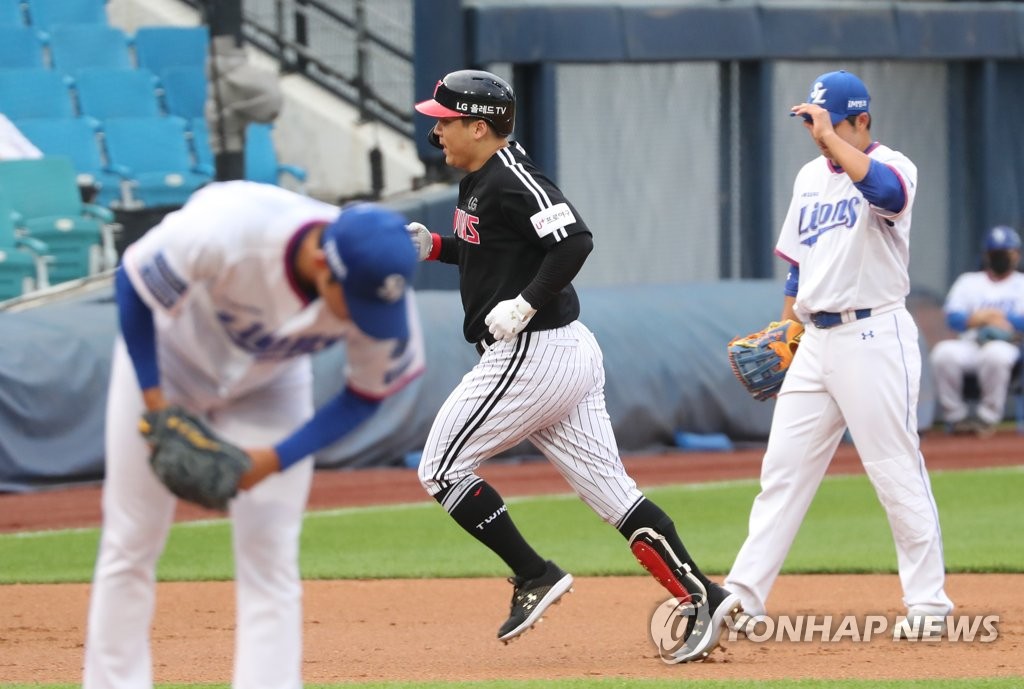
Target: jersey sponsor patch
{"type": "Point", "coordinates": [552, 219]}
{"type": "Point", "coordinates": [162, 282]}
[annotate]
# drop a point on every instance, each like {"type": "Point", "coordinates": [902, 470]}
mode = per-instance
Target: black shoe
{"type": "Point", "coordinates": [707, 620]}
{"type": "Point", "coordinates": [531, 597]}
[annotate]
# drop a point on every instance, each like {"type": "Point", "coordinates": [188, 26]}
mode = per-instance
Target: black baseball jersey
{"type": "Point", "coordinates": [507, 217]}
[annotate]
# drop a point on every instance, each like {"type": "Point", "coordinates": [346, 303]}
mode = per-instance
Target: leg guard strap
{"type": "Point", "coordinates": [655, 555]}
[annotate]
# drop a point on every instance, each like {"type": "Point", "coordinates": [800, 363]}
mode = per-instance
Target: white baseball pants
{"type": "Point", "coordinates": [992, 362]}
{"type": "Point", "coordinates": [137, 515]}
{"type": "Point", "coordinates": [864, 375]}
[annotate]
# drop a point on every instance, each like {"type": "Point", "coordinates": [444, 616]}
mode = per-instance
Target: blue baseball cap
{"type": "Point", "coordinates": [369, 252]}
{"type": "Point", "coordinates": [1002, 237]}
{"type": "Point", "coordinates": [841, 93]}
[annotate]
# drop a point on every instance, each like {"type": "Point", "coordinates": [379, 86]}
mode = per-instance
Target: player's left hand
{"type": "Point", "coordinates": [509, 318]}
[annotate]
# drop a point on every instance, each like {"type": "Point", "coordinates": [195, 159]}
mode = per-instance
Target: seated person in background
{"type": "Point", "coordinates": [987, 309]}
{"type": "Point", "coordinates": [13, 144]}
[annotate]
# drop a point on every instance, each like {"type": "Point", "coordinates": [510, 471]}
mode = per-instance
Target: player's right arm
{"type": "Point", "coordinates": [139, 332]}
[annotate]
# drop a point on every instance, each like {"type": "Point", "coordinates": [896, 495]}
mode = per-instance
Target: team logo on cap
{"type": "Point", "coordinates": [392, 289]}
{"type": "Point", "coordinates": [818, 94]}
{"type": "Point", "coordinates": [857, 104]}
{"type": "Point", "coordinates": [334, 260]}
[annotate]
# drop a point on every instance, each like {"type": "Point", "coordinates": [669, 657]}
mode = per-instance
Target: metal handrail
{"type": "Point", "coordinates": [297, 57]}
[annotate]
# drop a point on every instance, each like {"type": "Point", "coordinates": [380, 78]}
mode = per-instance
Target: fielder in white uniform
{"type": "Point", "coordinates": [220, 306]}
{"type": "Point", "coordinates": [846, 236]}
{"type": "Point", "coordinates": [987, 308]}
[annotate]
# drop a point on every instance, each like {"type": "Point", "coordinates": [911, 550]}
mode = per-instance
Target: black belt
{"type": "Point", "coordinates": [483, 344]}
{"type": "Point", "coordinates": [828, 319]}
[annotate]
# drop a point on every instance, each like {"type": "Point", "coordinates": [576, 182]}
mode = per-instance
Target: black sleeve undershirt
{"type": "Point", "coordinates": [561, 264]}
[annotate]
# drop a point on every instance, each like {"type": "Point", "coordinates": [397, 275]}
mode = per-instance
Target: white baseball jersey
{"type": "Point", "coordinates": [851, 254]}
{"type": "Point", "coordinates": [975, 291]}
{"type": "Point", "coordinates": [218, 274]}
{"type": "Point", "coordinates": [233, 332]}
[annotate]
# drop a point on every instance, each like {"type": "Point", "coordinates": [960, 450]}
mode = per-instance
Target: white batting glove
{"type": "Point", "coordinates": [509, 318]}
{"type": "Point", "coordinates": [421, 238]}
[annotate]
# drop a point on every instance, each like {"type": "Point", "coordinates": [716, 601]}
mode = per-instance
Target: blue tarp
{"type": "Point", "coordinates": [664, 348]}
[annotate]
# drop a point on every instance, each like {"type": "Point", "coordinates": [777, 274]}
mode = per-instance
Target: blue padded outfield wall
{"type": "Point", "coordinates": [664, 348]}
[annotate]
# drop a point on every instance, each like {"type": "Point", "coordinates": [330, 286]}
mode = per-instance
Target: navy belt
{"type": "Point", "coordinates": [828, 319]}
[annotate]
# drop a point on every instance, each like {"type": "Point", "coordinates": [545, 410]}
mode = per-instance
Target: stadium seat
{"type": "Point", "coordinates": [261, 162]}
{"type": "Point", "coordinates": [74, 47]}
{"type": "Point", "coordinates": [44, 15]}
{"type": "Point", "coordinates": [153, 155]}
{"type": "Point", "coordinates": [30, 93]}
{"type": "Point", "coordinates": [184, 91]}
{"type": "Point", "coordinates": [160, 47]}
{"type": "Point", "coordinates": [105, 92]}
{"type": "Point", "coordinates": [22, 260]}
{"type": "Point", "coordinates": [20, 47]}
{"type": "Point", "coordinates": [44, 192]}
{"type": "Point", "coordinates": [11, 13]}
{"type": "Point", "coordinates": [202, 152]}
{"type": "Point", "coordinates": [76, 138]}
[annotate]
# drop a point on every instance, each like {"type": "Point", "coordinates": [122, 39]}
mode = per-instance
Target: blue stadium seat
{"type": "Point", "coordinates": [160, 47]}
{"type": "Point", "coordinates": [74, 47]}
{"type": "Point", "coordinates": [34, 92]}
{"type": "Point", "coordinates": [199, 138]}
{"type": "Point", "coordinates": [11, 13]}
{"type": "Point", "coordinates": [20, 47]}
{"type": "Point", "coordinates": [23, 261]}
{"type": "Point", "coordinates": [261, 161]}
{"type": "Point", "coordinates": [105, 92]}
{"type": "Point", "coordinates": [76, 138]}
{"type": "Point", "coordinates": [184, 91]}
{"type": "Point", "coordinates": [44, 192]}
{"type": "Point", "coordinates": [153, 154]}
{"type": "Point", "coordinates": [44, 15]}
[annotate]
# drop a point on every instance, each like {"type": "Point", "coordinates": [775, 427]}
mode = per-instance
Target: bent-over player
{"type": "Point", "coordinates": [221, 306]}
{"type": "Point", "coordinates": [846, 237]}
{"type": "Point", "coordinates": [986, 308]}
{"type": "Point", "coordinates": [518, 244]}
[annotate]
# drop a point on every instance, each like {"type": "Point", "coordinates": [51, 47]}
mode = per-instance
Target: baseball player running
{"type": "Point", "coordinates": [518, 244]}
{"type": "Point", "coordinates": [846, 236]}
{"type": "Point", "coordinates": [220, 306]}
{"type": "Point", "coordinates": [987, 308]}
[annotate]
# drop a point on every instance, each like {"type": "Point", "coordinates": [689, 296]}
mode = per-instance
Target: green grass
{"type": "Point", "coordinates": [845, 531]}
{"type": "Point", "coordinates": [977, 683]}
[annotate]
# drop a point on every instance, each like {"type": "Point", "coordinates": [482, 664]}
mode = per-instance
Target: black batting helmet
{"type": "Point", "coordinates": [474, 93]}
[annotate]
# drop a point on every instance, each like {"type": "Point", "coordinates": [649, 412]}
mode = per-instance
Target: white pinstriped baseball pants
{"type": "Point", "coordinates": [547, 387]}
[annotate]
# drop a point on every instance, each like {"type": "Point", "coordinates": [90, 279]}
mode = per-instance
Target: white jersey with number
{"type": "Point", "coordinates": [230, 316]}
{"type": "Point", "coordinates": [851, 255]}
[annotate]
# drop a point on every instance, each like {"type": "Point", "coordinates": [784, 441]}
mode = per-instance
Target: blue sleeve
{"type": "Point", "coordinates": [331, 421]}
{"type": "Point", "coordinates": [792, 281]}
{"type": "Point", "coordinates": [1017, 321]}
{"type": "Point", "coordinates": [137, 327]}
{"type": "Point", "coordinates": [957, 320]}
{"type": "Point", "coordinates": [882, 187]}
